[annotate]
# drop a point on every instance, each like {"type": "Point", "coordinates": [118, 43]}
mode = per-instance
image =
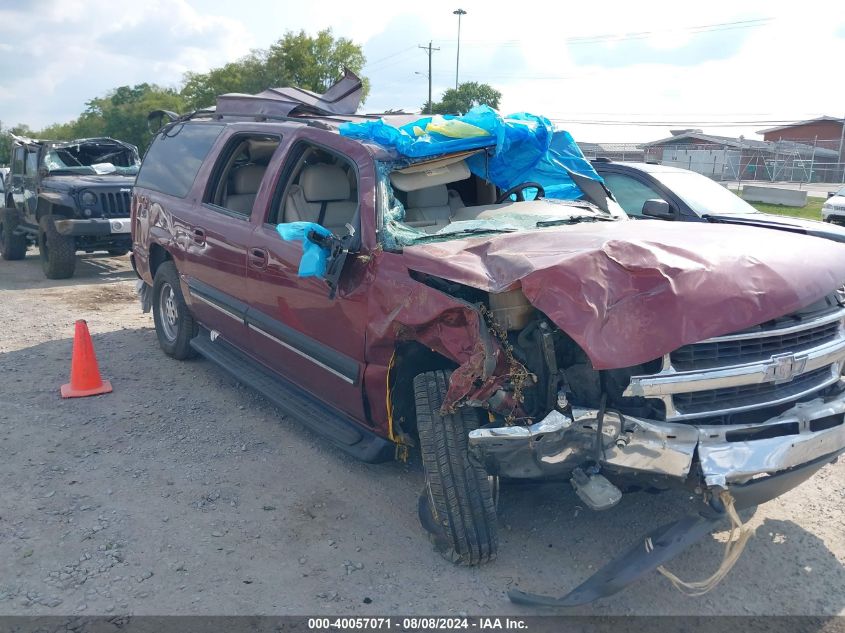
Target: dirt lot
{"type": "Point", "coordinates": [183, 492]}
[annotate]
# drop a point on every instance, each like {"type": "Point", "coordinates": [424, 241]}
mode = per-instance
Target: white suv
{"type": "Point", "coordinates": [833, 210]}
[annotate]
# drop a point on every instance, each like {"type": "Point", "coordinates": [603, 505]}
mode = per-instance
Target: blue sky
{"type": "Point", "coordinates": [610, 62]}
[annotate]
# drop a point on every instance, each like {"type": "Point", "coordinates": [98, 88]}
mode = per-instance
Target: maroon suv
{"type": "Point", "coordinates": [518, 339]}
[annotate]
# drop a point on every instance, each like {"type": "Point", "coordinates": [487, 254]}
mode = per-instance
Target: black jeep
{"type": "Point", "coordinates": [67, 196]}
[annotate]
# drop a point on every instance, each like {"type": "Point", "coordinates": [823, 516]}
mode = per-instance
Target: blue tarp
{"type": "Point", "coordinates": [314, 256]}
{"type": "Point", "coordinates": [523, 147]}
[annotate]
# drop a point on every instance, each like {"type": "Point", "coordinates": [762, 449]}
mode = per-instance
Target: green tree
{"type": "Point", "coordinates": [250, 74]}
{"type": "Point", "coordinates": [122, 113]}
{"type": "Point", "coordinates": [467, 96]}
{"type": "Point", "coordinates": [6, 140]}
{"type": "Point", "coordinates": [297, 59]}
{"type": "Point", "coordinates": [315, 63]}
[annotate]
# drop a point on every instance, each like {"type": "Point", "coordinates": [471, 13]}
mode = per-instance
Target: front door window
{"type": "Point", "coordinates": [630, 192]}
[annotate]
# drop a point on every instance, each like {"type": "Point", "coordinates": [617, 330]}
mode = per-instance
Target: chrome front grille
{"type": "Point", "coordinates": [115, 204]}
{"type": "Point", "coordinates": [746, 350]}
{"type": "Point", "coordinates": [749, 370]}
{"type": "Point", "coordinates": [767, 393]}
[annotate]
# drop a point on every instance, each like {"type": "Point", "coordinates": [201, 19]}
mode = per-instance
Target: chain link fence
{"type": "Point", "coordinates": [796, 161]}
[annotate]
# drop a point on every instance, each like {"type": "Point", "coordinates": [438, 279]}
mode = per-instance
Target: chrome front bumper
{"type": "Point", "coordinates": [727, 455]}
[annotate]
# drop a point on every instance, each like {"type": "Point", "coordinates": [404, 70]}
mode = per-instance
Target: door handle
{"type": "Point", "coordinates": [258, 258]}
{"type": "Point", "coordinates": [198, 235]}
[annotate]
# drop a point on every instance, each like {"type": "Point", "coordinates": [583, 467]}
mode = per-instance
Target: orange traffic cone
{"type": "Point", "coordinates": [84, 376]}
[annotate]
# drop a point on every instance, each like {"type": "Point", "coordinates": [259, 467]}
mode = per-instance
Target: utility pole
{"type": "Point", "coordinates": [430, 50]}
{"type": "Point", "coordinates": [459, 13]}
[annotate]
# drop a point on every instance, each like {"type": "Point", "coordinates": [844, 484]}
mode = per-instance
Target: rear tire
{"type": "Point", "coordinates": [57, 251]}
{"type": "Point", "coordinates": [12, 246]}
{"type": "Point", "coordinates": [175, 327]}
{"type": "Point", "coordinates": [457, 506]}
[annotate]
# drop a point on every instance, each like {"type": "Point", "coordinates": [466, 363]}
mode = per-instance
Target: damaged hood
{"type": "Point", "coordinates": [782, 222]}
{"type": "Point", "coordinates": [630, 292]}
{"type": "Point", "coordinates": [73, 181]}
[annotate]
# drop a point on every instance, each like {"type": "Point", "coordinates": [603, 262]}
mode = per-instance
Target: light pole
{"type": "Point", "coordinates": [459, 13]}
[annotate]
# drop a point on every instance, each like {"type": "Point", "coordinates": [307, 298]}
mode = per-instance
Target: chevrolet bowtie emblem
{"type": "Point", "coordinates": [785, 367]}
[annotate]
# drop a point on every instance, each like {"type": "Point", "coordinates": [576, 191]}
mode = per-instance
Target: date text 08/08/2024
{"type": "Point", "coordinates": [416, 623]}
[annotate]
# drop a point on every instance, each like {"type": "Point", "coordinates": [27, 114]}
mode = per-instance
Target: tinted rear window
{"type": "Point", "coordinates": [174, 159]}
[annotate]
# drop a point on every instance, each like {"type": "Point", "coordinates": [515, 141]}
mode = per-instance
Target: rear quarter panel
{"type": "Point", "coordinates": [158, 219]}
{"type": "Point", "coordinates": [156, 222]}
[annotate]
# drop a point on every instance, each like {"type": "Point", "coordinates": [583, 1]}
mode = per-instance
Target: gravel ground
{"type": "Point", "coordinates": [182, 492]}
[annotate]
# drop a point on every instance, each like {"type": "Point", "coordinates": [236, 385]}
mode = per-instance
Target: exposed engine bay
{"type": "Point", "coordinates": [722, 412]}
{"type": "Point", "coordinates": [694, 403]}
{"type": "Point", "coordinates": [735, 445]}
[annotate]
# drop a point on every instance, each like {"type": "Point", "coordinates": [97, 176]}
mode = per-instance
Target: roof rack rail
{"type": "Point", "coordinates": [311, 120]}
{"type": "Point", "coordinates": [272, 117]}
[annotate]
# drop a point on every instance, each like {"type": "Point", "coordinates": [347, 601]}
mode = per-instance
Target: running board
{"type": "Point", "coordinates": [341, 431]}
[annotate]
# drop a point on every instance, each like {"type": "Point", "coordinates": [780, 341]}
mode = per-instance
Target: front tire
{"type": "Point", "coordinates": [175, 327]}
{"type": "Point", "coordinates": [12, 246]}
{"type": "Point", "coordinates": [457, 507]}
{"type": "Point", "coordinates": [57, 251]}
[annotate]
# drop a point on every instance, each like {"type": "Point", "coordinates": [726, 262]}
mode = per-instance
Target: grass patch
{"type": "Point", "coordinates": [813, 210]}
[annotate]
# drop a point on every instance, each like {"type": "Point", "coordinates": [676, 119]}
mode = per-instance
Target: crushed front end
{"type": "Point", "coordinates": [753, 413]}
{"type": "Point", "coordinates": [622, 355]}
{"type": "Point", "coordinates": [723, 411]}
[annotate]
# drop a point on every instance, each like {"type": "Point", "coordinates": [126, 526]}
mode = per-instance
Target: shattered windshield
{"type": "Point", "coordinates": [94, 157]}
{"type": "Point", "coordinates": [441, 200]}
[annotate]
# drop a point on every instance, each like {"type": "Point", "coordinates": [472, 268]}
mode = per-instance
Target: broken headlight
{"type": "Point", "coordinates": [88, 199]}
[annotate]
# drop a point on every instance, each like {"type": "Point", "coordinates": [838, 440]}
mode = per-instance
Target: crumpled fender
{"type": "Point", "coordinates": [58, 197]}
{"type": "Point", "coordinates": [460, 334]}
{"type": "Point", "coordinates": [447, 325]}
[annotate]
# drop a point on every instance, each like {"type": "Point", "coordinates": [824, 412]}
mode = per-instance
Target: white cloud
{"type": "Point", "coordinates": [68, 51]}
{"type": "Point", "coordinates": [674, 72]}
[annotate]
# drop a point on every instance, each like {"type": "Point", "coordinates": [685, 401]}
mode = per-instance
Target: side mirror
{"type": "Point", "coordinates": [830, 194]}
{"type": "Point", "coordinates": [657, 208]}
{"type": "Point", "coordinates": [337, 249]}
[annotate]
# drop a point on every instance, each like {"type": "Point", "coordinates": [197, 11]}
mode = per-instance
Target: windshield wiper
{"type": "Point", "coordinates": [576, 219]}
{"type": "Point", "coordinates": [472, 231]}
{"type": "Point", "coordinates": [70, 171]}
